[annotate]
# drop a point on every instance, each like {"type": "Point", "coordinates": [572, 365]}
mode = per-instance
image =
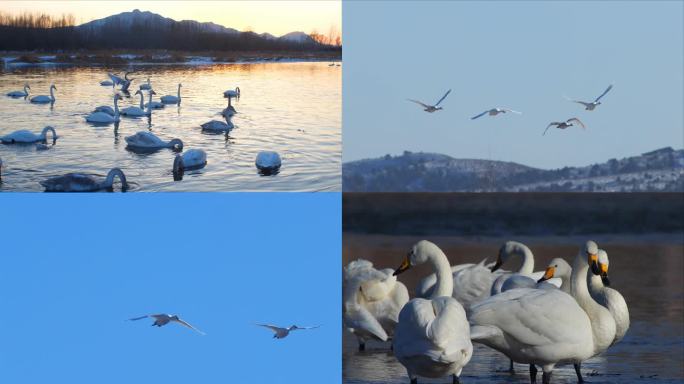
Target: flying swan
{"type": "Point", "coordinates": [589, 106]}
{"type": "Point", "coordinates": [281, 333]}
{"type": "Point", "coordinates": [564, 124]}
{"type": "Point", "coordinates": [163, 319]}
{"type": "Point", "coordinates": [431, 108]}
{"type": "Point", "coordinates": [494, 112]}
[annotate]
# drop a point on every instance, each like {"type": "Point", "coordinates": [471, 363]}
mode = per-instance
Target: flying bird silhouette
{"type": "Point", "coordinates": [162, 319]}
{"type": "Point", "coordinates": [431, 108]}
{"type": "Point", "coordinates": [589, 106]}
{"type": "Point", "coordinates": [564, 124]}
{"type": "Point", "coordinates": [494, 112]}
{"type": "Point", "coordinates": [281, 333]}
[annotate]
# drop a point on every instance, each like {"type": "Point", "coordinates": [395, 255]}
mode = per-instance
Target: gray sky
{"type": "Point", "coordinates": [521, 55]}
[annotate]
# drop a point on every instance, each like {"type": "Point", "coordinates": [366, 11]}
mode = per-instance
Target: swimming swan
{"type": "Point", "coordinates": [104, 117]}
{"type": "Point", "coordinates": [609, 297]}
{"type": "Point", "coordinates": [432, 338]}
{"type": "Point", "coordinates": [371, 298]}
{"type": "Point", "coordinates": [147, 86]}
{"type": "Point", "coordinates": [189, 160]}
{"type": "Point", "coordinates": [43, 99]}
{"type": "Point", "coordinates": [154, 104]}
{"type": "Point", "coordinates": [229, 94]}
{"type": "Point", "coordinates": [23, 93]}
{"type": "Point", "coordinates": [26, 136]}
{"type": "Point", "coordinates": [168, 99]}
{"type": "Point", "coordinates": [139, 111]}
{"type": "Point", "coordinates": [144, 140]}
{"type": "Point", "coordinates": [268, 162]}
{"type": "Point", "coordinates": [546, 327]}
{"type": "Point", "coordinates": [78, 182]}
{"type": "Point", "coordinates": [218, 126]}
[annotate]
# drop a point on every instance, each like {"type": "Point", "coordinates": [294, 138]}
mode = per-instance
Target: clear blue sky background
{"type": "Point", "coordinates": [521, 55]}
{"type": "Point", "coordinates": [73, 268]}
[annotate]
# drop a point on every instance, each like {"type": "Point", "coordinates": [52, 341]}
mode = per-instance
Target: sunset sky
{"type": "Point", "coordinates": [275, 17]}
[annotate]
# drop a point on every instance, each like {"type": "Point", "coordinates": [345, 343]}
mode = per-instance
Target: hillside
{"type": "Point", "coordinates": [659, 170]}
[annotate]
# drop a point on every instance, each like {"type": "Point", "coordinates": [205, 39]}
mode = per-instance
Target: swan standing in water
{"type": "Point", "coordinates": [494, 112]}
{"type": "Point", "coordinates": [163, 319]}
{"type": "Point", "coordinates": [144, 140]}
{"type": "Point", "coordinates": [546, 327]}
{"type": "Point", "coordinates": [189, 160]}
{"type": "Point", "coordinates": [169, 99]}
{"type": "Point", "coordinates": [44, 99]}
{"type": "Point", "coordinates": [609, 297]}
{"type": "Point", "coordinates": [23, 93]}
{"type": "Point", "coordinates": [432, 338]}
{"type": "Point", "coordinates": [25, 136]}
{"type": "Point", "coordinates": [431, 108]}
{"type": "Point", "coordinates": [104, 117]}
{"type": "Point", "coordinates": [281, 333]}
{"type": "Point", "coordinates": [564, 124]}
{"type": "Point", "coordinates": [590, 106]}
{"type": "Point", "coordinates": [218, 126]}
{"type": "Point", "coordinates": [139, 111]}
{"type": "Point", "coordinates": [80, 182]}
{"type": "Point", "coordinates": [268, 162]}
{"type": "Point", "coordinates": [371, 300]}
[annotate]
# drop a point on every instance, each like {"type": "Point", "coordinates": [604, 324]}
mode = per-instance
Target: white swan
{"type": "Point", "coordinates": [139, 111]}
{"type": "Point", "coordinates": [218, 126]}
{"type": "Point", "coordinates": [609, 297]}
{"type": "Point", "coordinates": [372, 300]}
{"type": "Point", "coordinates": [546, 327]}
{"type": "Point", "coordinates": [508, 251]}
{"type": "Point", "coordinates": [79, 182]}
{"type": "Point", "coordinates": [431, 108]}
{"type": "Point", "coordinates": [590, 106]}
{"type": "Point", "coordinates": [282, 332]}
{"type": "Point", "coordinates": [268, 162]}
{"type": "Point", "coordinates": [169, 99]}
{"type": "Point", "coordinates": [432, 338]}
{"type": "Point", "coordinates": [163, 319]}
{"type": "Point", "coordinates": [494, 112]}
{"type": "Point", "coordinates": [44, 99]}
{"type": "Point", "coordinates": [116, 80]}
{"type": "Point", "coordinates": [104, 108]}
{"type": "Point", "coordinates": [557, 275]}
{"type": "Point", "coordinates": [564, 124]}
{"type": "Point", "coordinates": [104, 117]}
{"type": "Point", "coordinates": [23, 93]}
{"type": "Point", "coordinates": [144, 140]}
{"type": "Point", "coordinates": [147, 86]}
{"type": "Point", "coordinates": [25, 136]}
{"type": "Point", "coordinates": [189, 160]}
{"type": "Point", "coordinates": [154, 104]}
{"type": "Point", "coordinates": [229, 94]}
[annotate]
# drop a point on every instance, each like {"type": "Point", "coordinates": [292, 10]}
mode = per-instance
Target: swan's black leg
{"type": "Point", "coordinates": [511, 370]}
{"type": "Point", "coordinates": [455, 380]}
{"type": "Point", "coordinates": [362, 346]}
{"type": "Point", "coordinates": [533, 373]}
{"type": "Point", "coordinates": [546, 377]}
{"type": "Point", "coordinates": [578, 366]}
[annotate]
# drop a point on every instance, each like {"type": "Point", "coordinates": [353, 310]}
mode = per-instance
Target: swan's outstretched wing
{"type": "Point", "coordinates": [419, 103]}
{"type": "Point", "coordinates": [314, 327]}
{"type": "Point", "coordinates": [186, 324]}
{"type": "Point", "coordinates": [550, 125]}
{"type": "Point", "coordinates": [443, 97]}
{"type": "Point", "coordinates": [139, 318]}
{"type": "Point", "coordinates": [574, 119]}
{"type": "Point", "coordinates": [604, 93]}
{"type": "Point", "coordinates": [480, 115]}
{"type": "Point", "coordinates": [272, 327]}
{"type": "Point", "coordinates": [512, 111]}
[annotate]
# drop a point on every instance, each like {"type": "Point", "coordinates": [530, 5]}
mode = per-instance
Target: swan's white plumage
{"type": "Point", "coordinates": [25, 136]}
{"type": "Point", "coordinates": [148, 140]}
{"type": "Point", "coordinates": [610, 298]}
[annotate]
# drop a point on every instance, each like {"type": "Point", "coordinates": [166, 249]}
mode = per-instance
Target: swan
{"type": "Point", "coordinates": [564, 124]}
{"type": "Point", "coordinates": [169, 99]}
{"type": "Point", "coordinates": [154, 104]}
{"type": "Point", "coordinates": [431, 108]}
{"type": "Point", "coordinates": [229, 94]}
{"type": "Point", "coordinates": [104, 108]}
{"type": "Point", "coordinates": [139, 111]}
{"type": "Point", "coordinates": [147, 86]}
{"type": "Point", "coordinates": [191, 159]}
{"type": "Point", "coordinates": [432, 338]}
{"type": "Point", "coordinates": [116, 80]}
{"type": "Point", "coordinates": [105, 117]}
{"type": "Point", "coordinates": [609, 297]}
{"type": "Point", "coordinates": [163, 319]}
{"type": "Point", "coordinates": [44, 99]}
{"type": "Point", "coordinates": [23, 93]}
{"type": "Point", "coordinates": [218, 126]}
{"type": "Point", "coordinates": [79, 182]}
{"type": "Point", "coordinates": [590, 106]}
{"type": "Point", "coordinates": [494, 112]}
{"type": "Point", "coordinates": [26, 136]}
{"type": "Point", "coordinates": [144, 140]}
{"type": "Point", "coordinates": [268, 162]}
{"type": "Point", "coordinates": [557, 275]}
{"type": "Point", "coordinates": [281, 332]}
{"type": "Point", "coordinates": [546, 327]}
{"type": "Point", "coordinates": [106, 83]}
{"type": "Point", "coordinates": [372, 300]}
{"type": "Point", "coordinates": [508, 251]}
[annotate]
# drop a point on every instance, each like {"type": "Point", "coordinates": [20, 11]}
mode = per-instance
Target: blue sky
{"type": "Point", "coordinates": [521, 55]}
{"type": "Point", "coordinates": [73, 268]}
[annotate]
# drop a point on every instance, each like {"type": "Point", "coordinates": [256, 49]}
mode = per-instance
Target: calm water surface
{"type": "Point", "coordinates": [291, 108]}
{"type": "Point", "coordinates": [647, 271]}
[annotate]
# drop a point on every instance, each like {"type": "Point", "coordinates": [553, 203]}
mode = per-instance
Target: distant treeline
{"type": "Point", "coordinates": [43, 32]}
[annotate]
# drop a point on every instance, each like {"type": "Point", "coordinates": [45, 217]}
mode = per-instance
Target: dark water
{"type": "Point", "coordinates": [646, 269]}
{"type": "Point", "coordinates": [291, 108]}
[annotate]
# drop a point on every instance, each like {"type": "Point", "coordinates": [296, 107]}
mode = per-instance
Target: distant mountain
{"type": "Point", "coordinates": [297, 37]}
{"type": "Point", "coordinates": [659, 170]}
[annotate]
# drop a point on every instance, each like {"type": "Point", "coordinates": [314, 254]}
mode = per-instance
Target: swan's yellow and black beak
{"type": "Point", "coordinates": [550, 271]}
{"type": "Point", "coordinates": [604, 274]}
{"type": "Point", "coordinates": [593, 263]}
{"type": "Point", "coordinates": [497, 265]}
{"type": "Point", "coordinates": [406, 264]}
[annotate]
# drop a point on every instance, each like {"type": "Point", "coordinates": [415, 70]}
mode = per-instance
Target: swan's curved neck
{"type": "Point", "coordinates": [52, 94]}
{"type": "Point", "coordinates": [527, 265]}
{"type": "Point", "coordinates": [109, 181]}
{"type": "Point", "coordinates": [440, 265]}
{"type": "Point", "coordinates": [46, 130]}
{"type": "Point", "coordinates": [179, 87]}
{"type": "Point", "coordinates": [26, 87]}
{"type": "Point", "coordinates": [142, 100]}
{"type": "Point", "coordinates": [595, 284]}
{"type": "Point", "coordinates": [116, 106]}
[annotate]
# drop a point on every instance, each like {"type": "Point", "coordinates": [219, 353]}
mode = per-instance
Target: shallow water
{"type": "Point", "coordinates": [645, 269]}
{"type": "Point", "coordinates": [291, 108]}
